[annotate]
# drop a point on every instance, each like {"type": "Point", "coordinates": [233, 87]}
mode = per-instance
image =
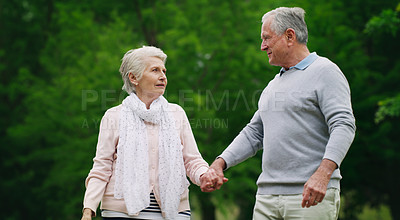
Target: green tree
{"type": "Point", "coordinates": [372, 160]}
{"type": "Point", "coordinates": [52, 144]}
{"type": "Point", "coordinates": [59, 73]}
{"type": "Point", "coordinates": [23, 26]}
{"type": "Point", "coordinates": [79, 60]}
{"type": "Point", "coordinates": [387, 22]}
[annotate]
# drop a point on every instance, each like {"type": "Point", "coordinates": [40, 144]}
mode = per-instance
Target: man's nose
{"type": "Point", "coordinates": [264, 46]}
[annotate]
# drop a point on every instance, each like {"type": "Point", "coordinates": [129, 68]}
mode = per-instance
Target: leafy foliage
{"type": "Point", "coordinates": [387, 22]}
{"type": "Point", "coordinates": [59, 65]}
{"type": "Point", "coordinates": [388, 107]}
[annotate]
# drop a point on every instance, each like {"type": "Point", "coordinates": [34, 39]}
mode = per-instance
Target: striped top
{"type": "Point", "coordinates": [154, 207]}
{"type": "Point", "coordinates": [151, 212]}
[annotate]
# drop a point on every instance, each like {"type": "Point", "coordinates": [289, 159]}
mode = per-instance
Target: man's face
{"type": "Point", "coordinates": [275, 45]}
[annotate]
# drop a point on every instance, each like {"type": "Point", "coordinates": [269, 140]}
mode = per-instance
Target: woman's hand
{"type": "Point", "coordinates": [214, 177]}
{"type": "Point", "coordinates": [87, 214]}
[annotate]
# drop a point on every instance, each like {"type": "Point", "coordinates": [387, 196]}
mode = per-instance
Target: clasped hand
{"type": "Point", "coordinates": [212, 180]}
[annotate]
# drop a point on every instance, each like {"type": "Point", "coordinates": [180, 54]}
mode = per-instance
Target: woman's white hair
{"type": "Point", "coordinates": [133, 62]}
{"type": "Point", "coordinates": [284, 18]}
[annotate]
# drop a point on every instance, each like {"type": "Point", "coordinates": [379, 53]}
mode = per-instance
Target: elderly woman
{"type": "Point", "coordinates": [145, 149]}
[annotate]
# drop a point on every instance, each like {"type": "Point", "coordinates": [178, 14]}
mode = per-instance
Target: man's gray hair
{"type": "Point", "coordinates": [133, 62]}
{"type": "Point", "coordinates": [284, 18]}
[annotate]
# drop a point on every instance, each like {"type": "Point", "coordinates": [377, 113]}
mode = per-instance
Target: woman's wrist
{"type": "Point", "coordinates": [87, 212]}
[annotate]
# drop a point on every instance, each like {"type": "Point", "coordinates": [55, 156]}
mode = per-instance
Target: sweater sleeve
{"type": "Point", "coordinates": [246, 144]}
{"type": "Point", "coordinates": [194, 163]}
{"type": "Point", "coordinates": [335, 103]}
{"type": "Point", "coordinates": [101, 171]}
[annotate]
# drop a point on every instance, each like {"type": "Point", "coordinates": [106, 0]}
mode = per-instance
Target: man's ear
{"type": "Point", "coordinates": [290, 35]}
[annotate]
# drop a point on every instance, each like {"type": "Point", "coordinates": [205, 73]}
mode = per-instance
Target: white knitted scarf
{"type": "Point", "coordinates": [132, 165]}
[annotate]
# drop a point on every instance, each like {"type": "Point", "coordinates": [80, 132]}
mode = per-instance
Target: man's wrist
{"type": "Point", "coordinates": [327, 167]}
{"type": "Point", "coordinates": [219, 163]}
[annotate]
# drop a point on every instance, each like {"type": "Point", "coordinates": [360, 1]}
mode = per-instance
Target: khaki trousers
{"type": "Point", "coordinates": [288, 207]}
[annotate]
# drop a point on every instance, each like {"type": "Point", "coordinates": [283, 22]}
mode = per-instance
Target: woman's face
{"type": "Point", "coordinates": [153, 82]}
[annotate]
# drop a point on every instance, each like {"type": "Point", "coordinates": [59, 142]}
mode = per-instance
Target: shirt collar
{"type": "Point", "coordinates": [302, 65]}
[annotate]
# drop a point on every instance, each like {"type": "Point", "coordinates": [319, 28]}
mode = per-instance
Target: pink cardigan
{"type": "Point", "coordinates": [101, 179]}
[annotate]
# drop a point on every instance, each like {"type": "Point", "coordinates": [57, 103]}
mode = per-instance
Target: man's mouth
{"type": "Point", "coordinates": [160, 85]}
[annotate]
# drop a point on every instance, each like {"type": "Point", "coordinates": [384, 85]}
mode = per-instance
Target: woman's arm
{"type": "Point", "coordinates": [101, 171]}
{"type": "Point", "coordinates": [194, 163]}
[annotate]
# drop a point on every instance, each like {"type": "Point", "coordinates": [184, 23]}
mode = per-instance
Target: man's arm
{"type": "Point", "coordinates": [335, 103]}
{"type": "Point", "coordinates": [245, 145]}
{"type": "Point", "coordinates": [334, 100]}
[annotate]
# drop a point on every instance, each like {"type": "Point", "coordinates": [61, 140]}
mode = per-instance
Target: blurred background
{"type": "Point", "coordinates": [59, 64]}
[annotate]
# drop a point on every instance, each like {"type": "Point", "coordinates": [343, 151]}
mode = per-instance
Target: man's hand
{"type": "Point", "coordinates": [315, 188]}
{"type": "Point", "coordinates": [87, 214]}
{"type": "Point", "coordinates": [214, 177]}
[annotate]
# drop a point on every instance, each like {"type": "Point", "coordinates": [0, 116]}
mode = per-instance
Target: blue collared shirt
{"type": "Point", "coordinates": [302, 64]}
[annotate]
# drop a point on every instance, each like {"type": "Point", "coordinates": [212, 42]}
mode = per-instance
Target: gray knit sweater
{"type": "Point", "coordinates": [303, 116]}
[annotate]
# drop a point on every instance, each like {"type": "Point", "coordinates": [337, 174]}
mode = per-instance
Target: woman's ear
{"type": "Point", "coordinates": [133, 79]}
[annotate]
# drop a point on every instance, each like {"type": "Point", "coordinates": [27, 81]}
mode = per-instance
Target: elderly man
{"type": "Point", "coordinates": [304, 124]}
